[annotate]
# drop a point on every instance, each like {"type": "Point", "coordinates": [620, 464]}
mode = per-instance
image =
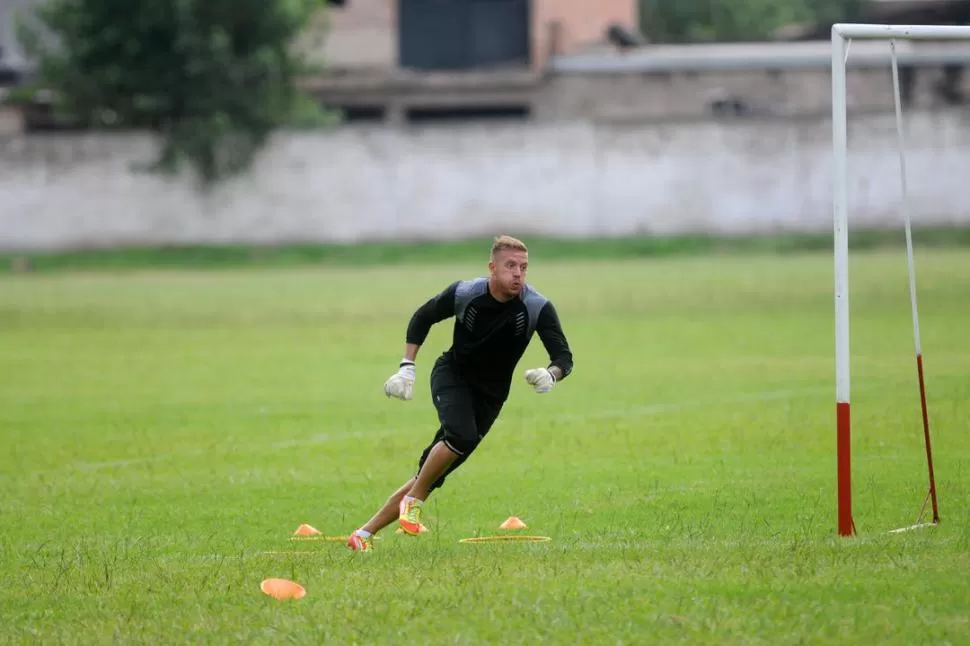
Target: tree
{"type": "Point", "coordinates": [736, 20]}
{"type": "Point", "coordinates": [213, 78]}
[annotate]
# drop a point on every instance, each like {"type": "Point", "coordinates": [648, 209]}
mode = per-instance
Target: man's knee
{"type": "Point", "coordinates": [458, 425]}
{"type": "Point", "coordinates": [459, 460]}
{"type": "Point", "coordinates": [461, 439]}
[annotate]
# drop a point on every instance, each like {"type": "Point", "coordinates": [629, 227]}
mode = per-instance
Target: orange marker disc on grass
{"type": "Point", "coordinates": [282, 589]}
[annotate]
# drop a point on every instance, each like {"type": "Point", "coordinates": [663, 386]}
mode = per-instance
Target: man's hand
{"type": "Point", "coordinates": [401, 383]}
{"type": "Point", "coordinates": [541, 379]}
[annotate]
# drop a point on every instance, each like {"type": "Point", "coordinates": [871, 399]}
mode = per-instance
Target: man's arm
{"type": "Point", "coordinates": [411, 351]}
{"type": "Point", "coordinates": [554, 339]}
{"type": "Point", "coordinates": [435, 309]}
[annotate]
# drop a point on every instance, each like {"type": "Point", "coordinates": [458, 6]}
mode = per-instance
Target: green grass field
{"type": "Point", "coordinates": [165, 432]}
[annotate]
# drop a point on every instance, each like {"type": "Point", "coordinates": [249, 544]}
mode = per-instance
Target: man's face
{"type": "Point", "coordinates": [508, 269]}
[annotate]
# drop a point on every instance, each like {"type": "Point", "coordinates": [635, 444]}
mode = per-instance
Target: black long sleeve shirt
{"type": "Point", "coordinates": [491, 336]}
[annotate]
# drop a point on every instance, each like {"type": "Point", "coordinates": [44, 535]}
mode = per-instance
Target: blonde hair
{"type": "Point", "coordinates": [505, 243]}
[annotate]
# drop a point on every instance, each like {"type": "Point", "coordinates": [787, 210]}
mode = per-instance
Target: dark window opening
{"type": "Point", "coordinates": [461, 35]}
{"type": "Point", "coordinates": [468, 113]}
{"type": "Point", "coordinates": [361, 113]}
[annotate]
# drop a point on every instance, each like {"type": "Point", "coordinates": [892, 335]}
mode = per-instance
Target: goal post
{"type": "Point", "coordinates": [842, 35]}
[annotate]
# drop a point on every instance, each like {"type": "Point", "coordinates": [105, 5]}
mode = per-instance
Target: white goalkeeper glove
{"type": "Point", "coordinates": [401, 383]}
{"type": "Point", "coordinates": [540, 379]}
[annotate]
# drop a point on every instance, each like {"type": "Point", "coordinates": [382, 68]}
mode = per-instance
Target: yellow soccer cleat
{"type": "Point", "coordinates": [410, 518]}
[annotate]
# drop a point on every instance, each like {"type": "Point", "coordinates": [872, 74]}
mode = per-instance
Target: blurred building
{"type": "Point", "coordinates": [420, 60]}
{"type": "Point", "coordinates": [413, 61]}
{"type": "Point", "coordinates": [424, 59]}
{"type": "Point", "coordinates": [460, 35]}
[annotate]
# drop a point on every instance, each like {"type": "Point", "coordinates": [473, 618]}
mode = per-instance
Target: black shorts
{"type": "Point", "coordinates": [465, 415]}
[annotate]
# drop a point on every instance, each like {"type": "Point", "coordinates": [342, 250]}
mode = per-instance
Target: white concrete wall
{"type": "Point", "coordinates": [578, 179]}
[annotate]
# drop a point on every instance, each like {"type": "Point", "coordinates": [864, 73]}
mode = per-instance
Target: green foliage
{"type": "Point", "coordinates": [735, 20]}
{"type": "Point", "coordinates": [19, 95]}
{"type": "Point", "coordinates": [214, 78]}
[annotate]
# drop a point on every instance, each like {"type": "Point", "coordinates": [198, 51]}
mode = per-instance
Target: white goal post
{"type": "Point", "coordinates": [842, 35]}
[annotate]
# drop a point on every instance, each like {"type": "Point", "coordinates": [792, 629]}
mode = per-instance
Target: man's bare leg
{"type": "Point", "coordinates": [389, 512]}
{"type": "Point", "coordinates": [436, 465]}
{"type": "Point", "coordinates": [439, 459]}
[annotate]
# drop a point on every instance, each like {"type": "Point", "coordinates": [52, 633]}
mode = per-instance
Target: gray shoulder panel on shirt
{"type": "Point", "coordinates": [534, 302]}
{"type": "Point", "coordinates": [466, 292]}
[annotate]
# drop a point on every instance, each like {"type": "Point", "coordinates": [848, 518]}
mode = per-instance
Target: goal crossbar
{"type": "Point", "coordinates": [850, 31]}
{"type": "Point", "coordinates": [842, 34]}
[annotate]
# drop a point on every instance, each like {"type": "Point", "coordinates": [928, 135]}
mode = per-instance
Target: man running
{"type": "Point", "coordinates": [495, 318]}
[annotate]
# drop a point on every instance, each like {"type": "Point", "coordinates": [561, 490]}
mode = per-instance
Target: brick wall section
{"type": "Point", "coordinates": [360, 35]}
{"type": "Point", "coordinates": [575, 24]}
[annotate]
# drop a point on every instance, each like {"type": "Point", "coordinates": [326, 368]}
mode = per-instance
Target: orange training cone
{"type": "Point", "coordinates": [512, 522]}
{"type": "Point", "coordinates": [282, 589]}
{"type": "Point", "coordinates": [306, 530]}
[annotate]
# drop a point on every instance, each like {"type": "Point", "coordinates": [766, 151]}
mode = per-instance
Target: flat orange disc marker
{"type": "Point", "coordinates": [282, 589]}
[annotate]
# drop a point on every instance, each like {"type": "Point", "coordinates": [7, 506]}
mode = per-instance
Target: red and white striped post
{"type": "Point", "coordinates": [840, 205]}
